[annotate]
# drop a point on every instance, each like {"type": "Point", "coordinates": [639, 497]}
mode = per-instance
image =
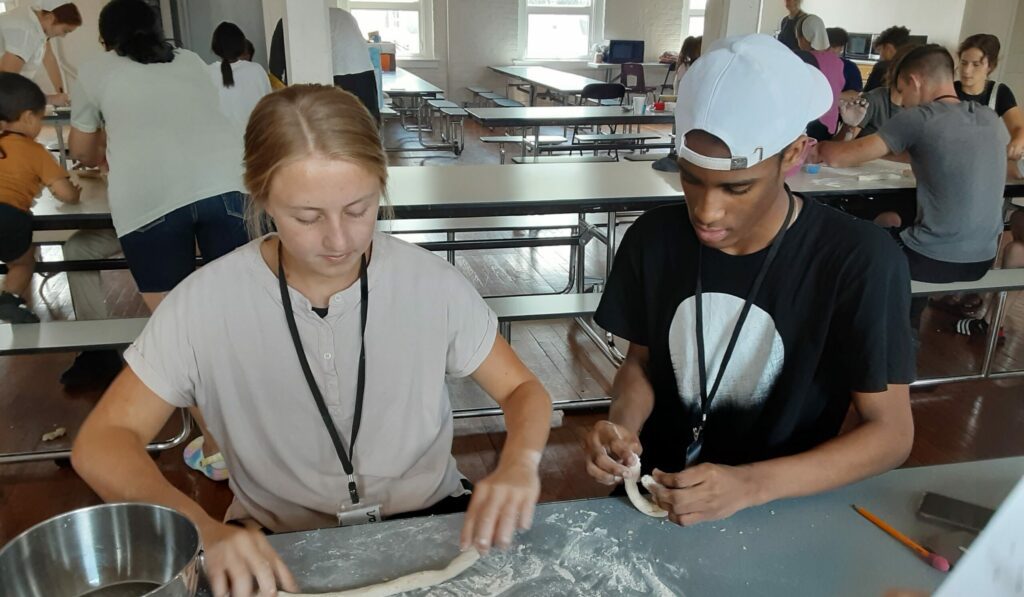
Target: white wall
{"type": "Point", "coordinates": [996, 17]}
{"type": "Point", "coordinates": [307, 42]}
{"type": "Point", "coordinates": [729, 18]}
{"type": "Point", "coordinates": [486, 32]}
{"type": "Point", "coordinates": [658, 22]}
{"type": "Point", "coordinates": [1012, 60]}
{"type": "Point", "coordinates": [940, 20]}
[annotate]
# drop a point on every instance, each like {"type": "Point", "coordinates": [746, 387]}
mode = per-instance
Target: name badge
{"type": "Point", "coordinates": [359, 514]}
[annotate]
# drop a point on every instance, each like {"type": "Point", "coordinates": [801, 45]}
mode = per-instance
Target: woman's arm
{"type": "Point", "coordinates": [110, 455]}
{"type": "Point", "coordinates": [59, 97]}
{"type": "Point", "coordinates": [505, 500]}
{"type": "Point", "coordinates": [11, 63]}
{"type": "Point", "coordinates": [90, 149]}
{"type": "Point", "coordinates": [1014, 121]}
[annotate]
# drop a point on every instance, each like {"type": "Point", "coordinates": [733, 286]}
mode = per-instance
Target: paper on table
{"type": "Point", "coordinates": [994, 565]}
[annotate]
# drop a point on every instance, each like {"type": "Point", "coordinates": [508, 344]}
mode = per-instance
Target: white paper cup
{"type": "Point", "coordinates": [638, 104]}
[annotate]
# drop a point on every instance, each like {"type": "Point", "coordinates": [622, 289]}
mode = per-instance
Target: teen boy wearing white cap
{"type": "Point", "coordinates": [755, 317]}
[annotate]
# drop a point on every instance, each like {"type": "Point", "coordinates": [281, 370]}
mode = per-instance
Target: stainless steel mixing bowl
{"type": "Point", "coordinates": [112, 550]}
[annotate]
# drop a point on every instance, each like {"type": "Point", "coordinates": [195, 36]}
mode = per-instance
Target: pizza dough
{"type": "Point", "coordinates": [640, 502]}
{"type": "Point", "coordinates": [410, 582]}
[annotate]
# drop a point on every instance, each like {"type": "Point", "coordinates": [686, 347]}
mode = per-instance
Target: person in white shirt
{"type": "Point", "coordinates": [241, 83]}
{"type": "Point", "coordinates": [151, 113]}
{"type": "Point", "coordinates": [353, 70]}
{"type": "Point", "coordinates": [24, 33]}
{"type": "Point", "coordinates": [319, 355]}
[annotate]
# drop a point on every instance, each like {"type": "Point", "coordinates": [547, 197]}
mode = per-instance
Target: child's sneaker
{"type": "Point", "coordinates": [14, 310]}
{"type": "Point", "coordinates": [212, 466]}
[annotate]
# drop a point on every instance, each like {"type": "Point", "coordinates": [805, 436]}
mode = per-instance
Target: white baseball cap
{"type": "Point", "coordinates": [754, 94]}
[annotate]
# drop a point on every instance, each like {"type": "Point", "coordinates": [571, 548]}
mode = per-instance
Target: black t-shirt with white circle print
{"type": "Point", "coordinates": [831, 318]}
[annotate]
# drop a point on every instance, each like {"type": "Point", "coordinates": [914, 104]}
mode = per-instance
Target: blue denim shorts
{"type": "Point", "coordinates": [163, 253]}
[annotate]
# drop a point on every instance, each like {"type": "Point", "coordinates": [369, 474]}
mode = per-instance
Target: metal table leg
{"type": "Point", "coordinates": [60, 145]}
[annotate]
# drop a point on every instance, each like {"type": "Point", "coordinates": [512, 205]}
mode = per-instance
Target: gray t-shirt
{"type": "Point", "coordinates": [220, 341]}
{"type": "Point", "coordinates": [880, 110]}
{"type": "Point", "coordinates": [958, 154]}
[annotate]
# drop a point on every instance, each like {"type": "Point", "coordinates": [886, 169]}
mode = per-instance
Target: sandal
{"type": "Point", "coordinates": [212, 466]}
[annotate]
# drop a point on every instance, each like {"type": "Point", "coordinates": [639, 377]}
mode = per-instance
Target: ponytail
{"type": "Point", "coordinates": [227, 75]}
{"type": "Point", "coordinates": [229, 44]}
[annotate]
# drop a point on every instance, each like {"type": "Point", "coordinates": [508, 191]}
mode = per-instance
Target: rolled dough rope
{"type": "Point", "coordinates": [640, 502]}
{"type": "Point", "coordinates": [409, 582]}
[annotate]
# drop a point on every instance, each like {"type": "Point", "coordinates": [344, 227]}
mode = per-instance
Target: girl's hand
{"type": "Point", "coordinates": [235, 556]}
{"type": "Point", "coordinates": [502, 503]}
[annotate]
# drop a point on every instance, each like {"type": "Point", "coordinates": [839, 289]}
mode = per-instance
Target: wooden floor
{"type": "Point", "coordinates": [954, 422]}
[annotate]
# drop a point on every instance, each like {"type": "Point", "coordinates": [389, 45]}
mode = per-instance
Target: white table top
{"type": "Point", "coordinates": [567, 116]}
{"type": "Point", "coordinates": [497, 190]}
{"type": "Point", "coordinates": [550, 78]}
{"type": "Point", "coordinates": [402, 82]}
{"type": "Point", "coordinates": [617, 66]}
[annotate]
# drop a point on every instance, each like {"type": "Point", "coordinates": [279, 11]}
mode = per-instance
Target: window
{"type": "Point", "coordinates": [409, 24]}
{"type": "Point", "coordinates": [559, 29]}
{"type": "Point", "coordinates": [695, 17]}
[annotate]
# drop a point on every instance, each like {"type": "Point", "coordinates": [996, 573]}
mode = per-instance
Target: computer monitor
{"type": "Point", "coordinates": [859, 46]}
{"type": "Point", "coordinates": [917, 40]}
{"type": "Point", "coordinates": [625, 50]}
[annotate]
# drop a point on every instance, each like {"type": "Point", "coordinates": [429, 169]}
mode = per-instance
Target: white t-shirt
{"type": "Point", "coordinates": [220, 341]}
{"type": "Point", "coordinates": [168, 144]}
{"type": "Point", "coordinates": [22, 34]}
{"type": "Point", "coordinates": [348, 46]}
{"type": "Point", "coordinates": [237, 101]}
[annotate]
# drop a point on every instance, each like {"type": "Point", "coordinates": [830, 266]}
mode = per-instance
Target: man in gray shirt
{"type": "Point", "coordinates": [957, 151]}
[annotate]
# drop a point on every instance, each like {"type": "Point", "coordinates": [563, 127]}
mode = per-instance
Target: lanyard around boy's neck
{"type": "Point", "coordinates": [345, 456]}
{"type": "Point", "coordinates": [693, 451]}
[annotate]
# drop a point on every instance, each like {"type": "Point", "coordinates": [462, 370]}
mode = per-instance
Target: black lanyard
{"type": "Point", "coordinates": [706, 397]}
{"type": "Point", "coordinates": [364, 297]}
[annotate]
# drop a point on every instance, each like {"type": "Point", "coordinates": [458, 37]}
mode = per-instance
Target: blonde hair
{"type": "Point", "coordinates": [303, 121]}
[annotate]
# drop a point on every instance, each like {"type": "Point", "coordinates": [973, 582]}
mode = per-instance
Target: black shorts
{"type": "Point", "coordinates": [926, 269]}
{"type": "Point", "coordinates": [364, 86]}
{"type": "Point", "coordinates": [15, 232]}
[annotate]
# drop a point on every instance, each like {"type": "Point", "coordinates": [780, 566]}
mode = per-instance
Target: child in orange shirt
{"type": "Point", "coordinates": [25, 168]}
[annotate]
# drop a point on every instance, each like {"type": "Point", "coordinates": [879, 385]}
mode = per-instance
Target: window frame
{"type": "Point", "coordinates": [425, 9]}
{"type": "Point", "coordinates": [595, 11]}
{"type": "Point", "coordinates": [689, 13]}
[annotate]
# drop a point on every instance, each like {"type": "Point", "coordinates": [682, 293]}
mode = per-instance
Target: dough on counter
{"type": "Point", "coordinates": [410, 582]}
{"type": "Point", "coordinates": [640, 502]}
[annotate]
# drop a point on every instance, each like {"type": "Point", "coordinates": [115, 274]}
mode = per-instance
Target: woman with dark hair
{"type": "Point", "coordinates": [688, 54]}
{"type": "Point", "coordinates": [979, 57]}
{"type": "Point", "coordinates": [152, 114]}
{"type": "Point", "coordinates": [24, 36]}
{"type": "Point", "coordinates": [241, 83]}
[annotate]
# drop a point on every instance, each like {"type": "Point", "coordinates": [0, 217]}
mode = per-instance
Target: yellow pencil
{"type": "Point", "coordinates": [936, 561]}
